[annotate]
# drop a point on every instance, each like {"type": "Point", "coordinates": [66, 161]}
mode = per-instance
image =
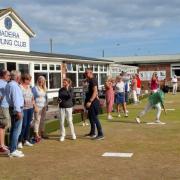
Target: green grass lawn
{"type": "Point", "coordinates": [156, 151]}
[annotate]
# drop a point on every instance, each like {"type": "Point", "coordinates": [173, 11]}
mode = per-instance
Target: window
{"type": "Point", "coordinates": [95, 68]}
{"type": "Point", "coordinates": [101, 68]}
{"type": "Point", "coordinates": [51, 67]}
{"type": "Point", "coordinates": [90, 66]}
{"type": "Point", "coordinates": [176, 72]}
{"type": "Point", "coordinates": [80, 79]}
{"type": "Point", "coordinates": [74, 67]}
{"type": "Point", "coordinates": [23, 68]}
{"type": "Point", "coordinates": [81, 68]}
{"type": "Point", "coordinates": [44, 66]}
{"type": "Point", "coordinates": [36, 66]}
{"type": "Point", "coordinates": [72, 76]}
{"type": "Point", "coordinates": [11, 66]}
{"type": "Point", "coordinates": [105, 67]}
{"type": "Point", "coordinates": [54, 80]}
{"type": "Point", "coordinates": [103, 78]}
{"type": "Point", "coordinates": [58, 67]}
{"type": "Point", "coordinates": [2, 66]}
{"type": "Point", "coordinates": [85, 66]}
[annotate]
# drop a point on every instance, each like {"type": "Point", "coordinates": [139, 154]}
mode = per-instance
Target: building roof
{"type": "Point", "coordinates": [175, 58]}
{"type": "Point", "coordinates": [15, 16]}
{"type": "Point", "coordinates": [61, 57]}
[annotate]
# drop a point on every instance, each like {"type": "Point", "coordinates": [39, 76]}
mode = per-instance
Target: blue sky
{"type": "Point", "coordinates": [87, 27]}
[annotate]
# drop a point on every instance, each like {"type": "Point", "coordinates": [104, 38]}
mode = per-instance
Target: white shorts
{"type": "Point", "coordinates": [138, 91]}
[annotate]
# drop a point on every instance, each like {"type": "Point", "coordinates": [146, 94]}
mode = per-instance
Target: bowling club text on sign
{"type": "Point", "coordinates": [12, 37]}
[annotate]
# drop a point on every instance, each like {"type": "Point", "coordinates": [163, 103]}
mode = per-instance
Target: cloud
{"type": "Point", "coordinates": [80, 21]}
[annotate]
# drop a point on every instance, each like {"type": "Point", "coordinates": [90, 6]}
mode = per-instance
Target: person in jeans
{"type": "Point", "coordinates": [27, 111]}
{"type": "Point", "coordinates": [4, 111]}
{"type": "Point", "coordinates": [65, 99]}
{"type": "Point", "coordinates": [16, 102]}
{"type": "Point", "coordinates": [40, 97]}
{"type": "Point", "coordinates": [93, 105]}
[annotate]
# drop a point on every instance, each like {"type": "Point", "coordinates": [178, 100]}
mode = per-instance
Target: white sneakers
{"type": "Point", "coordinates": [26, 143]}
{"type": "Point", "coordinates": [20, 146]}
{"type": "Point", "coordinates": [16, 153]}
{"type": "Point", "coordinates": [62, 138]}
{"type": "Point", "coordinates": [74, 137]}
{"type": "Point", "coordinates": [85, 124]}
{"type": "Point", "coordinates": [138, 120]}
{"type": "Point", "coordinates": [126, 114]}
{"type": "Point", "coordinates": [119, 115]}
{"type": "Point", "coordinates": [109, 117]}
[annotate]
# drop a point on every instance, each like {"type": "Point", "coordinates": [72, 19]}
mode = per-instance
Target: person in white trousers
{"type": "Point", "coordinates": [65, 99]}
{"type": "Point", "coordinates": [155, 100]}
{"type": "Point", "coordinates": [174, 83]}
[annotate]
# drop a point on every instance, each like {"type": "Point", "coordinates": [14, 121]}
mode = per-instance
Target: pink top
{"type": "Point", "coordinates": [154, 84]}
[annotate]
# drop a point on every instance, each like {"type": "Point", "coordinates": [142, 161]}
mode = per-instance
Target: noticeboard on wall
{"type": "Point", "coordinates": [146, 75]}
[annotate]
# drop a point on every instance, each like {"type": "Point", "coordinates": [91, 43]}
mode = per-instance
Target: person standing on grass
{"type": "Point", "coordinates": [138, 91]}
{"type": "Point", "coordinates": [134, 89]}
{"type": "Point", "coordinates": [4, 110]}
{"type": "Point", "coordinates": [93, 106]}
{"type": "Point", "coordinates": [40, 97]}
{"type": "Point", "coordinates": [120, 96]}
{"type": "Point", "coordinates": [155, 100]}
{"type": "Point", "coordinates": [27, 111]}
{"type": "Point", "coordinates": [154, 84]}
{"type": "Point", "coordinates": [16, 103]}
{"type": "Point", "coordinates": [109, 95]}
{"type": "Point", "coordinates": [174, 83]}
{"type": "Point", "coordinates": [65, 99]}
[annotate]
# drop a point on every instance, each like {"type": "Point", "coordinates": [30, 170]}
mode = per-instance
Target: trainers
{"type": "Point", "coordinates": [74, 137]}
{"type": "Point", "coordinates": [138, 120]}
{"type": "Point", "coordinates": [90, 135]}
{"type": "Point", "coordinates": [119, 115]}
{"type": "Point", "coordinates": [16, 154]}
{"type": "Point", "coordinates": [27, 143]}
{"type": "Point", "coordinates": [20, 152]}
{"type": "Point", "coordinates": [109, 117]}
{"type": "Point", "coordinates": [126, 115]}
{"type": "Point", "coordinates": [20, 146]}
{"type": "Point", "coordinates": [98, 138]}
{"type": "Point", "coordinates": [4, 150]}
{"type": "Point", "coordinates": [86, 124]}
{"type": "Point", "coordinates": [61, 138]}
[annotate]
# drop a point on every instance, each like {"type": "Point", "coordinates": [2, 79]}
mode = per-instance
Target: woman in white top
{"type": "Point", "coordinates": [120, 95]}
{"type": "Point", "coordinates": [40, 97]}
{"type": "Point", "coordinates": [174, 84]}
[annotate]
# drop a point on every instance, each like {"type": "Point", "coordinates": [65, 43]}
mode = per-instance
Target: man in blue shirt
{"type": "Point", "coordinates": [16, 102]}
{"type": "Point", "coordinates": [4, 110]}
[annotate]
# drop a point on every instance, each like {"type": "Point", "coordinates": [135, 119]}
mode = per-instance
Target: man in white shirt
{"type": "Point", "coordinates": [174, 84]}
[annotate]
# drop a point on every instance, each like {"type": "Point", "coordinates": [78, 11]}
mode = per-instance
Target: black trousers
{"type": "Point", "coordinates": [93, 112]}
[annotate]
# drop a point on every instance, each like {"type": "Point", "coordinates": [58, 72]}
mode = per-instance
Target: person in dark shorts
{"type": "Point", "coordinates": [93, 105]}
